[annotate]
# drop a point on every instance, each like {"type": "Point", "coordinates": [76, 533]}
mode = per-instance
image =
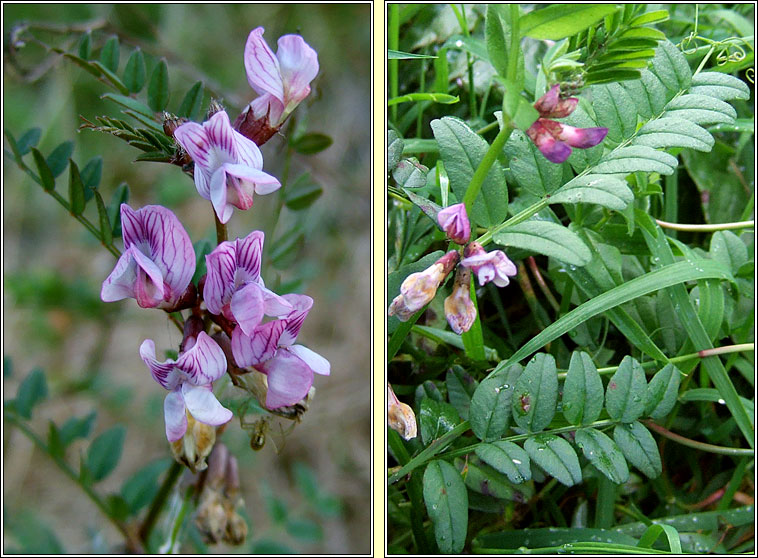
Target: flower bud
{"type": "Point", "coordinates": [196, 444]}
{"type": "Point", "coordinates": [400, 417]}
{"type": "Point", "coordinates": [210, 518]}
{"type": "Point", "coordinates": [419, 289]}
{"type": "Point", "coordinates": [454, 221]}
{"type": "Point", "coordinates": [459, 309]}
{"type": "Point", "coordinates": [236, 529]}
{"type": "Point", "coordinates": [259, 130]}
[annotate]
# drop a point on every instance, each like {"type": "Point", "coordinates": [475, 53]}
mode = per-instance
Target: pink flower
{"type": "Point", "coordinates": [234, 287]}
{"type": "Point", "coordinates": [270, 349]}
{"type": "Point", "coordinates": [555, 139]}
{"type": "Point", "coordinates": [189, 379]}
{"type": "Point", "coordinates": [488, 266]}
{"type": "Point", "coordinates": [400, 416]}
{"type": "Point", "coordinates": [282, 81]}
{"type": "Point", "coordinates": [228, 166]}
{"type": "Point", "coordinates": [419, 288]}
{"type": "Point", "coordinates": [158, 260]}
{"type": "Point", "coordinates": [454, 221]}
{"type": "Point", "coordinates": [459, 309]}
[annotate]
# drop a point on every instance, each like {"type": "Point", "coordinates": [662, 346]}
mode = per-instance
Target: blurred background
{"type": "Point", "coordinates": [53, 269]}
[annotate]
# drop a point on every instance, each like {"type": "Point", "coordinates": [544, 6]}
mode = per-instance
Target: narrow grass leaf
{"type": "Point", "coordinates": [603, 453]}
{"type": "Point", "coordinates": [654, 532]}
{"type": "Point", "coordinates": [508, 458]}
{"type": "Point", "coordinates": [582, 391]}
{"type": "Point", "coordinates": [447, 505]}
{"type": "Point", "coordinates": [440, 98]}
{"type": "Point", "coordinates": [556, 456]}
{"type": "Point", "coordinates": [639, 448]}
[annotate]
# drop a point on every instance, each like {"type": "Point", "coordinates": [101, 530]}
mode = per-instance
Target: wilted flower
{"type": "Point", "coordinates": [555, 139]}
{"type": "Point", "coordinates": [190, 382]}
{"type": "Point", "coordinates": [282, 81]}
{"type": "Point", "coordinates": [488, 266]}
{"type": "Point", "coordinates": [400, 417]}
{"type": "Point", "coordinates": [158, 260]}
{"type": "Point", "coordinates": [270, 349]}
{"type": "Point", "coordinates": [454, 221]}
{"type": "Point", "coordinates": [227, 164]}
{"type": "Point", "coordinates": [234, 287]}
{"type": "Point", "coordinates": [419, 288]}
{"type": "Point", "coordinates": [459, 309]}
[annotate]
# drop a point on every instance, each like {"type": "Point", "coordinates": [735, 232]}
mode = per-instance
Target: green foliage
{"type": "Point", "coordinates": [447, 505]}
{"type": "Point", "coordinates": [104, 453]}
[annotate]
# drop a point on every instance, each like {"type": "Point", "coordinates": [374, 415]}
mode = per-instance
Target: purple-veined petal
{"type": "Point", "coordinates": [250, 350]}
{"type": "Point", "coordinates": [247, 152]}
{"type": "Point", "coordinates": [194, 139]}
{"type": "Point", "coordinates": [263, 182]}
{"type": "Point", "coordinates": [315, 361]}
{"type": "Point", "coordinates": [247, 307]}
{"type": "Point", "coordinates": [120, 283]}
{"type": "Point", "coordinates": [267, 105]}
{"type": "Point", "coordinates": [275, 305]}
{"type": "Point", "coordinates": [239, 193]}
{"type": "Point", "coordinates": [218, 196]}
{"type": "Point", "coordinates": [131, 227]}
{"type": "Point", "coordinates": [248, 256]}
{"type": "Point", "coordinates": [219, 281]}
{"type": "Point", "coordinates": [203, 182]}
{"type": "Point", "coordinates": [582, 137]}
{"type": "Point", "coordinates": [204, 362]}
{"type": "Point", "coordinates": [289, 379]}
{"type": "Point", "coordinates": [298, 65]}
{"type": "Point", "coordinates": [149, 283]}
{"type": "Point", "coordinates": [174, 415]}
{"type": "Point", "coordinates": [221, 135]}
{"type": "Point", "coordinates": [301, 305]}
{"type": "Point", "coordinates": [204, 406]}
{"type": "Point", "coordinates": [262, 66]}
{"type": "Point", "coordinates": [164, 373]}
{"type": "Point", "coordinates": [553, 150]}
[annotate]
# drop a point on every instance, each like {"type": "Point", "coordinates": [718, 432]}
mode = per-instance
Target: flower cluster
{"type": "Point", "coordinates": [158, 263]}
{"type": "Point", "coordinates": [555, 139]}
{"type": "Point", "coordinates": [419, 288]}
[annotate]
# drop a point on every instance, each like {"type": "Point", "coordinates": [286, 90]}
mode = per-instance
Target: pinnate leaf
{"type": "Point", "coordinates": [446, 502]}
{"type": "Point", "coordinates": [536, 393]}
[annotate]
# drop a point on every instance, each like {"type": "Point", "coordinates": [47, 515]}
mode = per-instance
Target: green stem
{"type": "Point", "coordinates": [515, 51]}
{"type": "Point", "coordinates": [221, 232]}
{"type": "Point", "coordinates": [430, 451]}
{"type": "Point", "coordinates": [156, 506]}
{"type": "Point", "coordinates": [70, 473]}
{"type": "Point", "coordinates": [702, 446]}
{"type": "Point", "coordinates": [393, 41]}
{"type": "Point", "coordinates": [521, 216]}
{"type": "Point", "coordinates": [484, 167]}
{"type": "Point", "coordinates": [706, 228]}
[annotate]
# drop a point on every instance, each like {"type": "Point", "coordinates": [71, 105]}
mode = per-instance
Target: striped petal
{"type": "Point", "coordinates": [164, 373]}
{"type": "Point", "coordinates": [315, 361]}
{"type": "Point", "coordinates": [174, 415]}
{"type": "Point", "coordinates": [298, 64]}
{"type": "Point", "coordinates": [262, 66]}
{"type": "Point", "coordinates": [301, 305]}
{"type": "Point", "coordinates": [204, 362]}
{"type": "Point", "coordinates": [251, 350]}
{"type": "Point", "coordinates": [204, 406]}
{"type": "Point", "coordinates": [219, 282]}
{"type": "Point", "coordinates": [247, 307]}
{"type": "Point", "coordinates": [194, 139]}
{"type": "Point", "coordinates": [248, 255]}
{"type": "Point", "coordinates": [221, 135]}
{"type": "Point", "coordinates": [289, 379]}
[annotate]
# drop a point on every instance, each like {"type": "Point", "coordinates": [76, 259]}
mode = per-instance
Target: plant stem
{"type": "Point", "coordinates": [221, 232]}
{"type": "Point", "coordinates": [702, 446]}
{"type": "Point", "coordinates": [521, 216]}
{"type": "Point", "coordinates": [156, 506]}
{"type": "Point", "coordinates": [484, 166]}
{"type": "Point", "coordinates": [706, 228]}
{"type": "Point", "coordinates": [393, 40]}
{"type": "Point", "coordinates": [430, 451]}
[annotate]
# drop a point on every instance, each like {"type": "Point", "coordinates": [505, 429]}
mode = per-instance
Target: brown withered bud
{"type": "Point", "coordinates": [214, 107]}
{"type": "Point", "coordinates": [196, 444]}
{"type": "Point", "coordinates": [171, 122]}
{"type": "Point", "coordinates": [187, 300]}
{"type": "Point", "coordinates": [236, 529]}
{"type": "Point", "coordinates": [256, 129]}
{"type": "Point", "coordinates": [210, 518]}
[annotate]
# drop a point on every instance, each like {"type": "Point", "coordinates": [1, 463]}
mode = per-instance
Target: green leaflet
{"type": "Point", "coordinates": [701, 109]}
{"type": "Point", "coordinates": [662, 391]}
{"type": "Point", "coordinates": [532, 171]}
{"type": "Point", "coordinates": [536, 394]}
{"type": "Point", "coordinates": [157, 89]}
{"type": "Point", "coordinates": [135, 72]}
{"type": "Point", "coordinates": [615, 110]}
{"type": "Point", "coordinates": [603, 453]}
{"type": "Point", "coordinates": [639, 448]}
{"type": "Point", "coordinates": [582, 391]}
{"type": "Point", "coordinates": [435, 419]}
{"type": "Point", "coordinates": [490, 411]}
{"type": "Point", "coordinates": [557, 21]}
{"type": "Point", "coordinates": [546, 238]}
{"type": "Point", "coordinates": [104, 453]}
{"type": "Point", "coordinates": [556, 456]}
{"type": "Point", "coordinates": [605, 190]}
{"type": "Point", "coordinates": [626, 160]}
{"type": "Point", "coordinates": [447, 504]}
{"type": "Point", "coordinates": [674, 132]}
{"type": "Point", "coordinates": [626, 394]}
{"type": "Point", "coordinates": [507, 458]}
{"type": "Point", "coordinates": [461, 387]}
{"type": "Point", "coordinates": [719, 85]}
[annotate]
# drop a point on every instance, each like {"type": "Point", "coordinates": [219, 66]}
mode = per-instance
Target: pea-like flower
{"type": "Point", "coordinates": [234, 287]}
{"type": "Point", "coordinates": [271, 349]}
{"type": "Point", "coordinates": [158, 260]}
{"type": "Point", "coordinates": [419, 288]}
{"type": "Point", "coordinates": [459, 309]}
{"type": "Point", "coordinates": [555, 139]}
{"type": "Point", "coordinates": [454, 221]}
{"type": "Point", "coordinates": [488, 266]}
{"type": "Point", "coordinates": [228, 166]}
{"type": "Point", "coordinates": [189, 380]}
{"type": "Point", "coordinates": [400, 416]}
{"type": "Point", "coordinates": [282, 81]}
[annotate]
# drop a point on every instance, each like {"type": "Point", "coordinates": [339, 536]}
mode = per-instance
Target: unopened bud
{"type": "Point", "coordinates": [171, 122]}
{"type": "Point", "coordinates": [214, 107]}
{"type": "Point", "coordinates": [211, 516]}
{"type": "Point", "coordinates": [454, 221]}
{"type": "Point", "coordinates": [400, 417]}
{"type": "Point", "coordinates": [259, 130]}
{"type": "Point", "coordinates": [419, 289]}
{"type": "Point", "coordinates": [459, 309]}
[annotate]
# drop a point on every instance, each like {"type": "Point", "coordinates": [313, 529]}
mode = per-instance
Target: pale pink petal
{"type": "Point", "coordinates": [164, 373]}
{"type": "Point", "coordinates": [267, 105]}
{"type": "Point", "coordinates": [203, 405]}
{"type": "Point", "coordinates": [248, 255]}
{"type": "Point", "coordinates": [316, 362]}
{"type": "Point", "coordinates": [223, 209]}
{"type": "Point", "coordinates": [221, 135]}
{"type": "Point", "coordinates": [454, 221]}
{"type": "Point", "coordinates": [174, 415]}
{"type": "Point", "coordinates": [301, 305]}
{"type": "Point", "coordinates": [247, 152]}
{"type": "Point", "coordinates": [219, 281]}
{"type": "Point", "coordinates": [298, 64]}
{"type": "Point", "coordinates": [258, 347]}
{"type": "Point", "coordinates": [263, 182]}
{"type": "Point", "coordinates": [289, 379]}
{"type": "Point", "coordinates": [120, 283]}
{"type": "Point", "coordinates": [131, 226]}
{"type": "Point", "coordinates": [204, 362]}
{"type": "Point", "coordinates": [203, 182]}
{"type": "Point", "coordinates": [149, 281]}
{"type": "Point", "coordinates": [262, 66]}
{"type": "Point", "coordinates": [247, 307]}
{"type": "Point", "coordinates": [194, 139]}
{"type": "Point", "coordinates": [239, 193]}
{"type": "Point", "coordinates": [275, 305]}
